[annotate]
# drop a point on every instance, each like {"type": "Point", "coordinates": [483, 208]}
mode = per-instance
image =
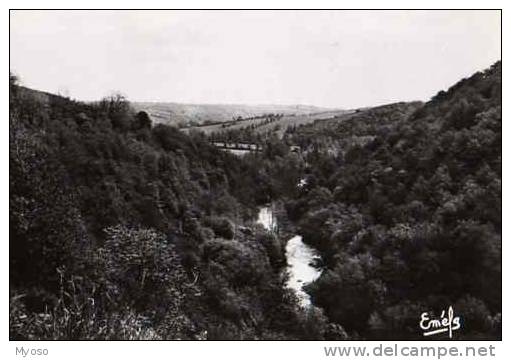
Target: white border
{"type": "Point", "coordinates": [227, 350]}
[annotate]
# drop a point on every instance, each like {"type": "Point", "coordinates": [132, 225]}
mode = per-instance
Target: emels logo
{"type": "Point", "coordinates": [446, 323]}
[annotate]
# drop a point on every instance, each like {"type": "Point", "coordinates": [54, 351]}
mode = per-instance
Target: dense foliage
{"type": "Point", "coordinates": [122, 230]}
{"type": "Point", "coordinates": [404, 202]}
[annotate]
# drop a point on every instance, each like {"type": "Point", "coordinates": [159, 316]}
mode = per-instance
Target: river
{"type": "Point", "coordinates": [299, 256]}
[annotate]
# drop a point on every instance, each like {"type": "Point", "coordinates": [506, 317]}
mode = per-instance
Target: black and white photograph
{"type": "Point", "coordinates": [254, 175]}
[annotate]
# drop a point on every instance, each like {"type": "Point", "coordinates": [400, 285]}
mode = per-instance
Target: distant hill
{"type": "Point", "coordinates": [267, 124]}
{"type": "Point", "coordinates": [191, 115]}
{"type": "Point", "coordinates": [199, 114]}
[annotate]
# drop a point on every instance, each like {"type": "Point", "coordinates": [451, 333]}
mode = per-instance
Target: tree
{"type": "Point", "coordinates": [143, 120]}
{"type": "Point", "coordinates": [117, 109]}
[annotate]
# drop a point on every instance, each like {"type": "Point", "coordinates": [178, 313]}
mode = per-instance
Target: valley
{"type": "Point", "coordinates": [143, 223]}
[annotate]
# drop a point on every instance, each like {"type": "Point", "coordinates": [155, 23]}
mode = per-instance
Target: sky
{"type": "Point", "coordinates": [341, 59]}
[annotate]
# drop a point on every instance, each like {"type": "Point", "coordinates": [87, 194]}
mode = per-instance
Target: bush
{"type": "Point", "coordinates": [222, 227]}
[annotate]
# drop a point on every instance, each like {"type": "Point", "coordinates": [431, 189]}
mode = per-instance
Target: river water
{"type": "Point", "coordinates": [299, 256]}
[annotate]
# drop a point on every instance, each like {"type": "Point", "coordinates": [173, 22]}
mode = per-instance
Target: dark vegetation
{"type": "Point", "coordinates": [124, 230]}
{"type": "Point", "coordinates": [121, 229]}
{"type": "Point", "coordinates": [404, 203]}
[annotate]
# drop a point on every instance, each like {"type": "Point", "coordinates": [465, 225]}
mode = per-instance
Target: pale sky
{"type": "Point", "coordinates": [342, 59]}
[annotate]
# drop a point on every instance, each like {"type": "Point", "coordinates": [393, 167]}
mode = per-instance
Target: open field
{"type": "Point", "coordinates": [198, 114]}
{"type": "Point", "coordinates": [279, 125]}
